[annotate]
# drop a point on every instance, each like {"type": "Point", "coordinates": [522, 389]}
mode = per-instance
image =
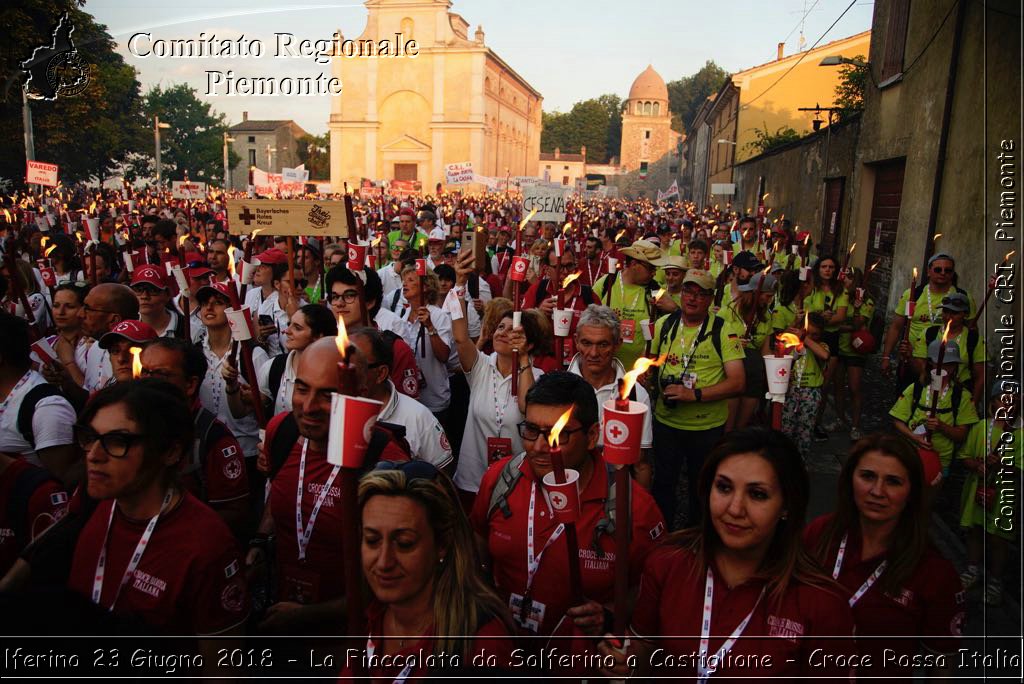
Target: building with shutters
{"type": "Point", "coordinates": [269, 145]}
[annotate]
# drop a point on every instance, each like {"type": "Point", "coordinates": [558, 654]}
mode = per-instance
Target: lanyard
{"type": "Point", "coordinates": [499, 408]}
{"type": "Point", "coordinates": [533, 562]}
{"type": "Point", "coordinates": [302, 535]}
{"type": "Point", "coordinates": [140, 548]}
{"type": "Point", "coordinates": [703, 670]}
{"type": "Point", "coordinates": [801, 367]}
{"type": "Point", "coordinates": [622, 296]}
{"type": "Point", "coordinates": [857, 595]}
{"type": "Point", "coordinates": [687, 355]}
{"type": "Point", "coordinates": [931, 314]}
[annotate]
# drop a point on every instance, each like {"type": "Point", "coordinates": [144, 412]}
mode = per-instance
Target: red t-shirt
{"type": "Point", "coordinates": [577, 303]}
{"type": "Point", "coordinates": [405, 374]}
{"type": "Point", "coordinates": [46, 505]}
{"type": "Point", "coordinates": [186, 583]}
{"type": "Point", "coordinates": [223, 468]}
{"type": "Point", "coordinates": [493, 640]}
{"type": "Point", "coordinates": [671, 602]}
{"type": "Point", "coordinates": [929, 609]}
{"type": "Point", "coordinates": [506, 540]}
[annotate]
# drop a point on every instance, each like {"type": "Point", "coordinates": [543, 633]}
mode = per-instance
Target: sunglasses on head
{"type": "Point", "coordinates": [413, 470]}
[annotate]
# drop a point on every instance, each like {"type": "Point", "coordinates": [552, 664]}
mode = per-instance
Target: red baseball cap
{"type": "Point", "coordinates": [131, 330]}
{"type": "Point", "coordinates": [406, 211]}
{"type": "Point", "coordinates": [206, 291]}
{"type": "Point", "coordinates": [150, 275]}
{"type": "Point", "coordinates": [272, 256]}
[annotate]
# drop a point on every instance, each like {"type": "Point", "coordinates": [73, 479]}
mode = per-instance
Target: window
{"type": "Point", "coordinates": [657, 109]}
{"type": "Point", "coordinates": [647, 108]}
{"type": "Point", "coordinates": [252, 138]}
{"type": "Point", "coordinates": [647, 135]}
{"type": "Point", "coordinates": [565, 168]}
{"type": "Point", "coordinates": [548, 167]}
{"type": "Point", "coordinates": [895, 38]}
{"type": "Point", "coordinates": [252, 157]}
{"type": "Point", "coordinates": [565, 180]}
{"type": "Point", "coordinates": [673, 170]}
{"type": "Point", "coordinates": [643, 168]}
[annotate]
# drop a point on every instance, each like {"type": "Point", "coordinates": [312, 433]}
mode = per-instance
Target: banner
{"type": "Point", "coordinates": [487, 181]}
{"type": "Point", "coordinates": [297, 175]}
{"type": "Point", "coordinates": [273, 184]}
{"type": "Point", "coordinates": [673, 191]}
{"type": "Point", "coordinates": [188, 190]}
{"type": "Point", "coordinates": [548, 200]}
{"type": "Point", "coordinates": [288, 217]}
{"type": "Point", "coordinates": [460, 173]}
{"type": "Point", "coordinates": [402, 188]}
{"type": "Point", "coordinates": [41, 173]}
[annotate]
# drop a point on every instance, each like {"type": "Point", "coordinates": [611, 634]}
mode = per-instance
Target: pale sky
{"type": "Point", "coordinates": [569, 50]}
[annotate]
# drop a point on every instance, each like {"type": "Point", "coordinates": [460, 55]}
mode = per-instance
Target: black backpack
{"type": "Point", "coordinates": [958, 391]}
{"type": "Point", "coordinates": [207, 429]}
{"type": "Point", "coordinates": [671, 327]}
{"type": "Point", "coordinates": [972, 343]}
{"type": "Point", "coordinates": [609, 282]}
{"type": "Point", "coordinates": [25, 485]}
{"type": "Point", "coordinates": [28, 409]}
{"type": "Point", "coordinates": [277, 366]}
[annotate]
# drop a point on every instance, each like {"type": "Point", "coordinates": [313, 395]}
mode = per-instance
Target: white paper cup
{"type": "Point", "coordinates": [248, 271]}
{"type": "Point", "coordinates": [564, 497]}
{"type": "Point", "coordinates": [647, 328]}
{"type": "Point", "coordinates": [93, 225]}
{"type": "Point", "coordinates": [179, 277]}
{"type": "Point", "coordinates": [804, 272]}
{"type": "Point", "coordinates": [936, 384]}
{"type": "Point", "coordinates": [778, 372]}
{"type": "Point", "coordinates": [562, 322]}
{"type": "Point", "coordinates": [517, 319]}
{"type": "Point", "coordinates": [239, 321]}
{"type": "Point", "coordinates": [613, 264]}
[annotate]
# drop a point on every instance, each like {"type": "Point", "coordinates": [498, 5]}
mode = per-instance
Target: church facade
{"type": "Point", "coordinates": [405, 118]}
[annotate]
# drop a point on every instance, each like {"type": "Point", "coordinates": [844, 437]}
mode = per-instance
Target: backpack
{"type": "Point", "coordinates": [958, 391]}
{"type": "Point", "coordinates": [919, 290]}
{"type": "Point", "coordinates": [28, 409]}
{"type": "Point", "coordinates": [609, 283]}
{"type": "Point", "coordinates": [287, 435]}
{"type": "Point", "coordinates": [277, 367]}
{"type": "Point", "coordinates": [674, 318]}
{"type": "Point", "coordinates": [25, 485]}
{"type": "Point", "coordinates": [510, 476]}
{"type": "Point", "coordinates": [205, 421]}
{"type": "Point", "coordinates": [972, 343]}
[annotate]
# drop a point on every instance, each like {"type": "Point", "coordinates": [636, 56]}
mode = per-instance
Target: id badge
{"type": "Point", "coordinates": [301, 585]}
{"type": "Point", "coordinates": [689, 380]}
{"type": "Point", "coordinates": [628, 329]}
{"type": "Point", "coordinates": [532, 617]}
{"type": "Point", "coordinates": [498, 448]}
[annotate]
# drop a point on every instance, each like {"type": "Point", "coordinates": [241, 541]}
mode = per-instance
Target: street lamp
{"type": "Point", "coordinates": [838, 60]}
{"type": "Point", "coordinates": [227, 171]}
{"type": "Point", "coordinates": [723, 141]}
{"type": "Point", "coordinates": [157, 125]}
{"type": "Point", "coordinates": [270, 166]}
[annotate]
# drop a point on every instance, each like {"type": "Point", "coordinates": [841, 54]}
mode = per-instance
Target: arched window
{"type": "Point", "coordinates": [487, 83]}
{"type": "Point", "coordinates": [647, 108]}
{"type": "Point", "coordinates": [657, 109]}
{"type": "Point", "coordinates": [407, 27]}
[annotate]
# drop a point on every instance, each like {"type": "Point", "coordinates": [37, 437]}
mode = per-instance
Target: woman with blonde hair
{"type": "Point", "coordinates": [420, 562]}
{"type": "Point", "coordinates": [494, 311]}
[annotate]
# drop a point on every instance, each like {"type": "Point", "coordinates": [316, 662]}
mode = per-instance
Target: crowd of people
{"type": "Point", "coordinates": [163, 474]}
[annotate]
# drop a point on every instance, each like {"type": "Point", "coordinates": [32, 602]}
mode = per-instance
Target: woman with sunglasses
{"type": "Point", "coordinates": [742, 573]}
{"type": "Point", "coordinates": [139, 555]}
{"type": "Point", "coordinates": [419, 560]}
{"type": "Point", "coordinates": [876, 544]}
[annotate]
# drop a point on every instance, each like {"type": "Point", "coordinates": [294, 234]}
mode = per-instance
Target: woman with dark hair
{"type": "Point", "coordinates": [750, 313]}
{"type": "Point", "coordinates": [853, 360]}
{"type": "Point", "coordinates": [428, 332]}
{"type": "Point", "coordinates": [151, 550]}
{"type": "Point", "coordinates": [829, 297]}
{"type": "Point", "coordinates": [876, 545]}
{"type": "Point", "coordinates": [742, 572]}
{"type": "Point", "coordinates": [68, 312]}
{"type": "Point", "coordinates": [64, 259]}
{"type": "Point", "coordinates": [420, 561]}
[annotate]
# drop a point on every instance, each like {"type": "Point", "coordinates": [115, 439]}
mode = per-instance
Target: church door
{"type": "Point", "coordinates": [405, 172]}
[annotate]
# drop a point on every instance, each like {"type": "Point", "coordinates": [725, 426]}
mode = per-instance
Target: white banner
{"type": "Point", "coordinates": [297, 175]}
{"type": "Point", "coordinates": [548, 200]}
{"type": "Point", "coordinates": [487, 181]}
{"type": "Point", "coordinates": [673, 191]}
{"type": "Point", "coordinates": [41, 173]}
{"type": "Point", "coordinates": [460, 173]}
{"type": "Point", "coordinates": [188, 190]}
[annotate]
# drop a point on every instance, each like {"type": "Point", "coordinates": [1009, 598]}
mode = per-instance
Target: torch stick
{"type": "Point", "coordinates": [187, 316]}
{"type": "Point", "coordinates": [623, 528]}
{"type": "Point", "coordinates": [247, 364]}
{"type": "Point", "coordinates": [19, 292]}
{"type": "Point", "coordinates": [933, 408]}
{"type": "Point", "coordinates": [777, 406]}
{"type": "Point", "coordinates": [291, 264]}
{"type": "Point", "coordinates": [571, 541]}
{"type": "Point", "coordinates": [911, 305]}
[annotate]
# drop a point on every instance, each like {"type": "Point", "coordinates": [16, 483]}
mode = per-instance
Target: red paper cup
{"type": "Point", "coordinates": [371, 261]}
{"type": "Point", "coordinates": [559, 247]}
{"type": "Point", "coordinates": [49, 278]}
{"type": "Point", "coordinates": [241, 324]}
{"type": "Point", "coordinates": [356, 256]}
{"type": "Point", "coordinates": [621, 432]}
{"type": "Point", "coordinates": [727, 257]}
{"type": "Point", "coordinates": [564, 497]}
{"type": "Point", "coordinates": [44, 350]}
{"type": "Point", "coordinates": [421, 267]}
{"type": "Point", "coordinates": [517, 271]}
{"type": "Point", "coordinates": [932, 464]}
{"type": "Point", "coordinates": [352, 421]}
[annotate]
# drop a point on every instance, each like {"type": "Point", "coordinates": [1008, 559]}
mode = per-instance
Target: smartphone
{"type": "Point", "coordinates": [264, 319]}
{"type": "Point", "coordinates": [475, 242]}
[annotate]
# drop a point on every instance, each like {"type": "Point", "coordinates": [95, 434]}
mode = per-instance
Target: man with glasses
{"type": "Point", "coordinates": [927, 308]}
{"type": "Point", "coordinates": [703, 368]}
{"type": "Point", "coordinates": [512, 501]}
{"type": "Point", "coordinates": [150, 286]}
{"type": "Point", "coordinates": [973, 354]}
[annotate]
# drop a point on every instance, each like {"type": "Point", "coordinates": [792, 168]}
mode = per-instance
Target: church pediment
{"type": "Point", "coordinates": [405, 143]}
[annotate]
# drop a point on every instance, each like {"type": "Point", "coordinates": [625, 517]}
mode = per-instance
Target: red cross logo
{"type": "Point", "coordinates": [616, 432]}
{"type": "Point", "coordinates": [564, 320]}
{"type": "Point", "coordinates": [246, 216]}
{"type": "Point", "coordinates": [781, 372]}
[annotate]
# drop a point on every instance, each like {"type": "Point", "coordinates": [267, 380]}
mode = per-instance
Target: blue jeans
{"type": "Point", "coordinates": [674, 448]}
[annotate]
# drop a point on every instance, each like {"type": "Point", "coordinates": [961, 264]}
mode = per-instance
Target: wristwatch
{"type": "Point", "coordinates": [432, 332]}
{"type": "Point", "coordinates": [697, 394]}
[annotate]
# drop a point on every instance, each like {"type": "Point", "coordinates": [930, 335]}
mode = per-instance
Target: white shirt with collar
{"type": "Point", "coordinates": [283, 400]}
{"type": "Point", "coordinates": [436, 394]}
{"type": "Point", "coordinates": [425, 435]}
{"type": "Point", "coordinates": [390, 321]}
{"type": "Point", "coordinates": [610, 391]}
{"type": "Point", "coordinates": [213, 396]}
{"type": "Point", "coordinates": [390, 279]}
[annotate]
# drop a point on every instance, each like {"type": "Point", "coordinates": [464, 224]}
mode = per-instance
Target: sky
{"type": "Point", "coordinates": [569, 50]}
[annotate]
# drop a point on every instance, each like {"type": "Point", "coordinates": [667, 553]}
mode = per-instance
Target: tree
{"type": "Point", "coordinates": [588, 123]}
{"type": "Point", "coordinates": [613, 103]}
{"type": "Point", "coordinates": [88, 134]}
{"type": "Point", "coordinates": [853, 80]}
{"type": "Point", "coordinates": [194, 142]}
{"type": "Point", "coordinates": [686, 95]}
{"type": "Point", "coordinates": [315, 152]}
{"type": "Point", "coordinates": [765, 141]}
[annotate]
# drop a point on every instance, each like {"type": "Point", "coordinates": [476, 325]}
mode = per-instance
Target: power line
{"type": "Point", "coordinates": [801, 20]}
{"type": "Point", "coordinates": [803, 54]}
{"type": "Point", "coordinates": [932, 39]}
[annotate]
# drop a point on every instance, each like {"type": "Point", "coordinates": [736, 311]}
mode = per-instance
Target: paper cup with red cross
{"type": "Point", "coordinates": [129, 260]}
{"type": "Point", "coordinates": [562, 321]}
{"type": "Point", "coordinates": [179, 277]}
{"type": "Point", "coordinates": [371, 261]}
{"type": "Point", "coordinates": [621, 432]}
{"type": "Point", "coordinates": [805, 271]}
{"type": "Point", "coordinates": [613, 264]}
{"type": "Point", "coordinates": [248, 271]}
{"type": "Point", "coordinates": [778, 370]}
{"type": "Point", "coordinates": [564, 497]}
{"type": "Point", "coordinates": [241, 324]}
{"type": "Point", "coordinates": [352, 421]}
{"type": "Point", "coordinates": [356, 256]}
{"type": "Point", "coordinates": [647, 328]}
{"type": "Point", "coordinates": [517, 271]}
{"type": "Point", "coordinates": [93, 224]}
{"type": "Point", "coordinates": [421, 267]}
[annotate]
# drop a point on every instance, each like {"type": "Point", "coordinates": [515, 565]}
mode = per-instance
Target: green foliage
{"type": "Point", "coordinates": [587, 123]}
{"type": "Point", "coordinates": [853, 81]}
{"type": "Point", "coordinates": [195, 140]}
{"type": "Point", "coordinates": [686, 95]}
{"type": "Point", "coordinates": [315, 152]}
{"type": "Point", "coordinates": [90, 134]}
{"type": "Point", "coordinates": [765, 141]}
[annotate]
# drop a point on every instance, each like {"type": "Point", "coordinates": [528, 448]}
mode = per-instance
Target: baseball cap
{"type": "Point", "coordinates": [642, 250]}
{"type": "Point", "coordinates": [425, 215]}
{"type": "Point", "coordinates": [272, 256]}
{"type": "Point", "coordinates": [674, 261]}
{"type": "Point", "coordinates": [952, 351]}
{"type": "Point", "coordinates": [759, 281]}
{"type": "Point", "coordinates": [394, 220]}
{"type": "Point", "coordinates": [747, 261]}
{"type": "Point", "coordinates": [436, 235]}
{"type": "Point", "coordinates": [956, 302]}
{"type": "Point", "coordinates": [940, 255]}
{"type": "Point", "coordinates": [197, 268]}
{"type": "Point", "coordinates": [207, 291]}
{"type": "Point", "coordinates": [150, 275]}
{"type": "Point", "coordinates": [131, 330]}
{"type": "Point", "coordinates": [701, 279]}
{"type": "Point", "coordinates": [406, 211]}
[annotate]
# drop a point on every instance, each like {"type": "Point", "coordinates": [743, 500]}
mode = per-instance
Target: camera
{"type": "Point", "coordinates": [664, 383]}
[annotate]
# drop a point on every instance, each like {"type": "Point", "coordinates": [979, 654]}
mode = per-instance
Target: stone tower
{"type": "Point", "coordinates": [648, 142]}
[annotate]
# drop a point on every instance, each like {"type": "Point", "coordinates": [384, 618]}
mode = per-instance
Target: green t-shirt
{"type": "Point", "coordinates": [413, 242]}
{"type": "Point", "coordinates": [821, 300]}
{"type": "Point", "coordinates": [963, 374]}
{"type": "Point", "coordinates": [927, 310]}
{"type": "Point", "coordinates": [705, 363]}
{"type": "Point", "coordinates": [629, 302]}
{"type": "Point", "coordinates": [915, 414]}
{"type": "Point", "coordinates": [783, 260]}
{"type": "Point", "coordinates": [784, 316]}
{"type": "Point", "coordinates": [866, 310]}
{"type": "Point", "coordinates": [807, 369]}
{"type": "Point", "coordinates": [731, 315]}
{"type": "Point", "coordinates": [1003, 517]}
{"type": "Point", "coordinates": [716, 269]}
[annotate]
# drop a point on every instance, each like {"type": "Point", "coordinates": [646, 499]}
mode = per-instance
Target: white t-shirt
{"type": "Point", "coordinates": [387, 320]}
{"type": "Point", "coordinates": [436, 394]}
{"type": "Point", "coordinates": [268, 307]}
{"type": "Point", "coordinates": [52, 420]}
{"type": "Point", "coordinates": [283, 400]}
{"type": "Point", "coordinates": [610, 391]}
{"type": "Point", "coordinates": [390, 279]}
{"type": "Point", "coordinates": [95, 366]}
{"type": "Point", "coordinates": [214, 399]}
{"type": "Point", "coordinates": [493, 412]}
{"type": "Point", "coordinates": [425, 435]}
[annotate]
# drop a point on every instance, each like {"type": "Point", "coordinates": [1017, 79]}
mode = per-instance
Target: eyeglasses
{"type": "Point", "coordinates": [530, 432]}
{"type": "Point", "coordinates": [694, 293]}
{"type": "Point", "coordinates": [90, 309]}
{"type": "Point", "coordinates": [116, 444]}
{"type": "Point", "coordinates": [348, 296]}
{"type": "Point", "coordinates": [938, 269]}
{"type": "Point", "coordinates": [147, 290]}
{"type": "Point", "coordinates": [413, 470]}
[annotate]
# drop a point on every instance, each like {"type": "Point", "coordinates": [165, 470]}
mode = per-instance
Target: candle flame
{"type": "Point", "coordinates": [92, 208]}
{"type": "Point", "coordinates": [945, 333]}
{"type": "Point", "coordinates": [341, 341]}
{"type": "Point", "coordinates": [658, 294]}
{"type": "Point", "coordinates": [915, 274]}
{"type": "Point", "coordinates": [231, 266]}
{"type": "Point", "coordinates": [376, 241]}
{"type": "Point", "coordinates": [557, 428]}
{"type": "Point", "coordinates": [620, 234]}
{"type": "Point", "coordinates": [43, 241]}
{"type": "Point", "coordinates": [807, 240]}
{"type": "Point", "coordinates": [7, 216]}
{"type": "Point", "coordinates": [254, 233]}
{"type": "Point", "coordinates": [529, 217]}
{"type": "Point", "coordinates": [181, 240]}
{"type": "Point", "coordinates": [639, 368]}
{"type": "Point", "coordinates": [937, 236]}
{"type": "Point", "coordinates": [566, 228]}
{"type": "Point", "coordinates": [764, 197]}
{"type": "Point", "coordinates": [874, 266]}
{"type": "Point", "coordinates": [1008, 255]}
{"type": "Point", "coordinates": [789, 341]}
{"type": "Point", "coordinates": [49, 250]}
{"type": "Point", "coordinates": [568, 279]}
{"type": "Point", "coordinates": [136, 363]}
{"type": "Point", "coordinates": [852, 247]}
{"type": "Point", "coordinates": [807, 318]}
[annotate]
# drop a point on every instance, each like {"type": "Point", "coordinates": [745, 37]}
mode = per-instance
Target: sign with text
{"type": "Point", "coordinates": [188, 190]}
{"type": "Point", "coordinates": [288, 217]}
{"type": "Point", "coordinates": [723, 188]}
{"type": "Point", "coordinates": [548, 200]}
{"type": "Point", "coordinates": [459, 174]}
{"type": "Point", "coordinates": [41, 173]}
{"type": "Point", "coordinates": [297, 175]}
